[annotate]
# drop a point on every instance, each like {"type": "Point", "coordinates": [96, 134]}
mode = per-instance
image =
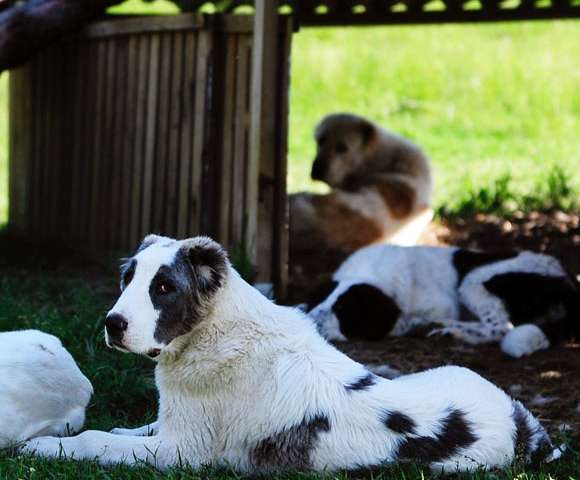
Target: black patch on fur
{"type": "Point", "coordinates": [127, 272]}
{"type": "Point", "coordinates": [465, 261]}
{"type": "Point", "coordinates": [196, 273]}
{"type": "Point", "coordinates": [523, 434]}
{"type": "Point", "coordinates": [363, 383]}
{"type": "Point", "coordinates": [319, 294]}
{"type": "Point", "coordinates": [290, 448]}
{"type": "Point", "coordinates": [548, 302]}
{"type": "Point", "coordinates": [399, 422]}
{"type": "Point", "coordinates": [365, 312]}
{"type": "Point", "coordinates": [456, 433]}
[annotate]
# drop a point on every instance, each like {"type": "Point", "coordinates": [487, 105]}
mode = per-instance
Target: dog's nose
{"type": "Point", "coordinates": [115, 325]}
{"type": "Point", "coordinates": [318, 169]}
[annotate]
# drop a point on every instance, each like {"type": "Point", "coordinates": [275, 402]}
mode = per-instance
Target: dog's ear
{"type": "Point", "coordinates": [368, 131]}
{"type": "Point", "coordinates": [209, 263]}
{"type": "Point", "coordinates": [148, 241]}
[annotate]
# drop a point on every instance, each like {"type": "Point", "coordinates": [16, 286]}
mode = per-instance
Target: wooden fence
{"type": "Point", "coordinates": [141, 125]}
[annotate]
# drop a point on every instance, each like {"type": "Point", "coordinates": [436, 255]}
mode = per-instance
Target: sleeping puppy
{"type": "Point", "coordinates": [42, 390]}
{"type": "Point", "coordinates": [524, 300]}
{"type": "Point", "coordinates": [250, 385]}
{"type": "Point", "coordinates": [381, 188]}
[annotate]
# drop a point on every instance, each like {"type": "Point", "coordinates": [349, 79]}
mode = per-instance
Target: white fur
{"type": "Point", "coordinates": [42, 391]}
{"type": "Point", "coordinates": [524, 340]}
{"type": "Point", "coordinates": [423, 282]}
{"type": "Point", "coordinates": [251, 369]}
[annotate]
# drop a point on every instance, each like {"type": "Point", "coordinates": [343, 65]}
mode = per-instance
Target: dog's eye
{"type": "Point", "coordinates": [341, 147]}
{"type": "Point", "coordinates": [164, 288]}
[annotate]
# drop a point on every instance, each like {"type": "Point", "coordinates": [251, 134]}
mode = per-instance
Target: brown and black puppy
{"type": "Point", "coordinates": [381, 188]}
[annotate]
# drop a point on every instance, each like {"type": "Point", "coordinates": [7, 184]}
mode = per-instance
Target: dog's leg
{"type": "Point", "coordinates": [144, 431]}
{"type": "Point", "coordinates": [494, 321]}
{"type": "Point", "coordinates": [104, 447]}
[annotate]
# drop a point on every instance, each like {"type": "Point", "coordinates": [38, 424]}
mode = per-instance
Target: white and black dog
{"type": "Point", "coordinates": [251, 385]}
{"type": "Point", "coordinates": [478, 297]}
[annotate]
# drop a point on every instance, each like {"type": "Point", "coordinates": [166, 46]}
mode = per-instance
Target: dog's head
{"type": "Point", "coordinates": [167, 288]}
{"type": "Point", "coordinates": [342, 142]}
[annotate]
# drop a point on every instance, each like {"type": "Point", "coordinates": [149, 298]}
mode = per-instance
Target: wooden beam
{"type": "Point", "coordinates": [261, 168]}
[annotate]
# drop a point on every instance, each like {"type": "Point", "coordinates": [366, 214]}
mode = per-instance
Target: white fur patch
{"type": "Point", "coordinates": [42, 391]}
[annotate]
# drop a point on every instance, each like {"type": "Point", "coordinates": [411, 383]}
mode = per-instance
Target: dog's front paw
{"type": "Point", "coordinates": [48, 447]}
{"type": "Point", "coordinates": [446, 332]}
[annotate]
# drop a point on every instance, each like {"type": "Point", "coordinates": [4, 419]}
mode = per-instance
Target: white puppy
{"type": "Point", "coordinates": [252, 385]}
{"type": "Point", "coordinates": [42, 391]}
{"type": "Point", "coordinates": [476, 296]}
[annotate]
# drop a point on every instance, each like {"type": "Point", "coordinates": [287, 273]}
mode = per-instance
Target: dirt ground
{"type": "Point", "coordinates": [549, 381]}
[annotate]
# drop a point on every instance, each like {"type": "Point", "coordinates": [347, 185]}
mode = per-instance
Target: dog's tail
{"type": "Point", "coordinates": [531, 441]}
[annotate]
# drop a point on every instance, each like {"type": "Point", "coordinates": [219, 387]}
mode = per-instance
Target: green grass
{"type": "Point", "coordinates": [49, 295]}
{"type": "Point", "coordinates": [484, 101]}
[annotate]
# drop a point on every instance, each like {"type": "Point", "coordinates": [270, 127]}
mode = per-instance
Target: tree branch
{"type": "Point", "coordinates": [27, 27]}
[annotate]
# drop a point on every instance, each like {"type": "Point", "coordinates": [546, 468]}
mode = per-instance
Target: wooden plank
{"type": "Point", "coordinates": [243, 56]}
{"type": "Point", "coordinates": [175, 101]}
{"type": "Point", "coordinates": [147, 24]}
{"type": "Point", "coordinates": [226, 157]}
{"type": "Point", "coordinates": [199, 223]}
{"type": "Point", "coordinates": [96, 163]}
{"type": "Point", "coordinates": [139, 140]}
{"type": "Point", "coordinates": [185, 205]}
{"type": "Point", "coordinates": [39, 163]}
{"type": "Point", "coordinates": [281, 213]}
{"type": "Point", "coordinates": [78, 160]}
{"type": "Point", "coordinates": [310, 19]}
{"type": "Point", "coordinates": [160, 166]}
{"type": "Point", "coordinates": [129, 132]}
{"type": "Point", "coordinates": [104, 193]}
{"type": "Point", "coordinates": [91, 98]}
{"type": "Point", "coordinates": [117, 132]}
{"type": "Point", "coordinates": [15, 158]}
{"type": "Point", "coordinates": [262, 138]}
{"type": "Point", "coordinates": [66, 223]}
{"type": "Point", "coordinates": [150, 137]}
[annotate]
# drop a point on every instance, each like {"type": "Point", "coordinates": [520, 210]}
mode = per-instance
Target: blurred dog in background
{"type": "Point", "coordinates": [381, 188]}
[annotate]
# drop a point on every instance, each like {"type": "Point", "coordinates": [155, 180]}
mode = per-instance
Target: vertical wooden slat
{"type": "Point", "coordinates": [280, 220]}
{"type": "Point", "coordinates": [141, 72]}
{"type": "Point", "coordinates": [104, 191]}
{"type": "Point", "coordinates": [78, 161]}
{"type": "Point", "coordinates": [15, 154]}
{"type": "Point", "coordinates": [117, 133]}
{"type": "Point", "coordinates": [160, 164]}
{"type": "Point", "coordinates": [39, 161]}
{"type": "Point", "coordinates": [173, 158]}
{"type": "Point", "coordinates": [91, 98]}
{"type": "Point", "coordinates": [200, 222]}
{"type": "Point", "coordinates": [150, 136]}
{"type": "Point", "coordinates": [262, 138]}
{"type": "Point", "coordinates": [126, 159]}
{"type": "Point", "coordinates": [240, 138]}
{"type": "Point", "coordinates": [66, 223]}
{"type": "Point", "coordinates": [185, 206]}
{"type": "Point", "coordinates": [226, 158]}
{"type": "Point", "coordinates": [96, 165]}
